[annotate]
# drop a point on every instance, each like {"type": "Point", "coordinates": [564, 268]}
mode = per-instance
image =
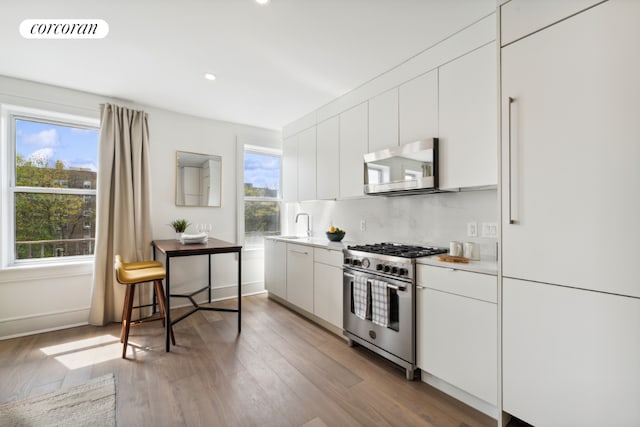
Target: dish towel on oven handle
{"type": "Point", "coordinates": [360, 297]}
{"type": "Point", "coordinates": [379, 303]}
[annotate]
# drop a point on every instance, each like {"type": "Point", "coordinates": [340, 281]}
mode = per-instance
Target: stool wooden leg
{"type": "Point", "coordinates": [131, 290]}
{"type": "Point", "coordinates": [123, 324]}
{"type": "Point", "coordinates": [159, 290]}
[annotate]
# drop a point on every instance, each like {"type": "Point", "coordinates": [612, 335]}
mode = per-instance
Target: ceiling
{"type": "Point", "coordinates": [274, 63]}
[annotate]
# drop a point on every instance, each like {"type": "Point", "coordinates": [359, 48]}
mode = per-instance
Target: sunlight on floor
{"type": "Point", "coordinates": [91, 351]}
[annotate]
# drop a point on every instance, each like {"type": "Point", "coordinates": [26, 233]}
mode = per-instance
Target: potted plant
{"type": "Point", "coordinates": [179, 226]}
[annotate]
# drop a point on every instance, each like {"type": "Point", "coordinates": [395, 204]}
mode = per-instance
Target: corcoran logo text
{"type": "Point", "coordinates": [64, 29]}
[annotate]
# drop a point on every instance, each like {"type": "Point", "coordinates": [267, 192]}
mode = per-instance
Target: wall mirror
{"type": "Point", "coordinates": [198, 179]}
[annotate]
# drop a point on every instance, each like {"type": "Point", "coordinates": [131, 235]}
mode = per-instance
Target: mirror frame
{"type": "Point", "coordinates": [180, 178]}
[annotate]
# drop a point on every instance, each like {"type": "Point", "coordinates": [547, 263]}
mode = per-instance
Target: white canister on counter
{"type": "Point", "coordinates": [455, 248]}
{"type": "Point", "coordinates": [471, 251]}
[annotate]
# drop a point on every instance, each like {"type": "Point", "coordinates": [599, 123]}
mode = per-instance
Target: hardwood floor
{"type": "Point", "coordinates": [281, 371]}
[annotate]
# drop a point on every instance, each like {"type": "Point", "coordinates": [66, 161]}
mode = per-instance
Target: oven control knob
{"type": "Point", "coordinates": [347, 260]}
{"type": "Point", "coordinates": [379, 267]}
{"type": "Point", "coordinates": [402, 271]}
{"type": "Point", "coordinates": [355, 262]}
{"type": "Point", "coordinates": [387, 268]}
{"type": "Point", "coordinates": [365, 262]}
{"type": "Point", "coordinates": [394, 270]}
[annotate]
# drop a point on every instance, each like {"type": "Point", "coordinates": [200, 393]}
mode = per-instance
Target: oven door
{"type": "Point", "coordinates": [397, 337]}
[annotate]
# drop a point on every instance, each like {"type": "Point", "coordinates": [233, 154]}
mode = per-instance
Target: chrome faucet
{"type": "Point", "coordinates": [308, 225]}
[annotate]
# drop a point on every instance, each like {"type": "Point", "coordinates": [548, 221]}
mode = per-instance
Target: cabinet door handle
{"type": "Point", "coordinates": [299, 252]}
{"type": "Point", "coordinates": [509, 176]}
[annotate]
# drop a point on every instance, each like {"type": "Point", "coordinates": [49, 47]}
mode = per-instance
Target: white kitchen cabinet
{"type": "Point", "coordinates": [307, 164]}
{"type": "Point", "coordinates": [468, 120]}
{"type": "Point", "coordinates": [353, 146]}
{"type": "Point", "coordinates": [300, 276]}
{"type": "Point", "coordinates": [275, 267]}
{"type": "Point", "coordinates": [523, 17]}
{"type": "Point", "coordinates": [383, 121]}
{"type": "Point", "coordinates": [418, 108]}
{"type": "Point", "coordinates": [290, 169]}
{"type": "Point", "coordinates": [327, 286]}
{"type": "Point", "coordinates": [328, 159]}
{"type": "Point", "coordinates": [570, 206]}
{"type": "Point", "coordinates": [570, 152]}
{"type": "Point", "coordinates": [457, 334]}
{"type": "Point", "coordinates": [570, 357]}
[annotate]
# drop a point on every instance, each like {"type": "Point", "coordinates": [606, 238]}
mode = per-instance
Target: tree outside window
{"type": "Point", "coordinates": [54, 191]}
{"type": "Point", "coordinates": [262, 201]}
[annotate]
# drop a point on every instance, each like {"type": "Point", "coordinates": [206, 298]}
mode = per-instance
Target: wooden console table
{"type": "Point", "coordinates": [173, 248]}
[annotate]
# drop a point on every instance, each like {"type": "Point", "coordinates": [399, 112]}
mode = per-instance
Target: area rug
{"type": "Point", "coordinates": [90, 404]}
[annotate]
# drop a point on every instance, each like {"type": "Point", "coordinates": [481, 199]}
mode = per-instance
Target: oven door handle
{"type": "Point", "coordinates": [395, 287]}
{"type": "Point", "coordinates": [349, 275]}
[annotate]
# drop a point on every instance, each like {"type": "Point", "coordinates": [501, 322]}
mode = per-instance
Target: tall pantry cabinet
{"type": "Point", "coordinates": [570, 105]}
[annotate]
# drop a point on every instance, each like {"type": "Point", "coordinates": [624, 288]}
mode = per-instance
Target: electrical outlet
{"type": "Point", "coordinates": [363, 225]}
{"type": "Point", "coordinates": [489, 229]}
{"type": "Point", "coordinates": [472, 229]}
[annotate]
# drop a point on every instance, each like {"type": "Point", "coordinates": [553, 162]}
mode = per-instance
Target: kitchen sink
{"type": "Point", "coordinates": [291, 237]}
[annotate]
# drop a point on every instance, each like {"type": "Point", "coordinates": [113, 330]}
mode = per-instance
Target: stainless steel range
{"type": "Point", "coordinates": [379, 305]}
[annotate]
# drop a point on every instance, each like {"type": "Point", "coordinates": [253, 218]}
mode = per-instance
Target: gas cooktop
{"type": "Point", "coordinates": [398, 249]}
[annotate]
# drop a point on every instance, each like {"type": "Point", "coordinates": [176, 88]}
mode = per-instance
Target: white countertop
{"type": "Point", "coordinates": [318, 242]}
{"type": "Point", "coordinates": [485, 266]}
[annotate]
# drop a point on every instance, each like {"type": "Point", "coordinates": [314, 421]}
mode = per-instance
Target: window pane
{"type": "Point", "coordinates": [54, 225]}
{"type": "Point", "coordinates": [260, 219]}
{"type": "Point", "coordinates": [58, 156]}
{"type": "Point", "coordinates": [261, 175]}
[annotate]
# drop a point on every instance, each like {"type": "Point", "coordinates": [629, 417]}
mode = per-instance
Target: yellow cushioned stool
{"type": "Point", "coordinates": [132, 274]}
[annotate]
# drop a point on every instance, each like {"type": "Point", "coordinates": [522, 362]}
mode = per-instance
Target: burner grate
{"type": "Point", "coordinates": [398, 250]}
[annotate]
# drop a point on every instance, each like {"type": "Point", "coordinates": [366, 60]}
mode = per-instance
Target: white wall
{"type": "Point", "coordinates": [430, 219]}
{"type": "Point", "coordinates": [34, 299]}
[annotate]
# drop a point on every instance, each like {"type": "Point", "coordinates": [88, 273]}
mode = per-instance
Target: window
{"type": "Point", "coordinates": [262, 197]}
{"type": "Point", "coordinates": [53, 165]}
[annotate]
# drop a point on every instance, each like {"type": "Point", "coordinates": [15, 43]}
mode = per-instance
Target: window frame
{"type": "Point", "coordinates": [256, 149]}
{"type": "Point", "coordinates": [8, 116]}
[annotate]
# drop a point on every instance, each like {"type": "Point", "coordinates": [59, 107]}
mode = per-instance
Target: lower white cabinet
{"type": "Point", "coordinates": [457, 329]}
{"type": "Point", "coordinates": [275, 267]}
{"type": "Point", "coordinates": [327, 286]}
{"type": "Point", "coordinates": [571, 357]}
{"type": "Point", "coordinates": [300, 276]}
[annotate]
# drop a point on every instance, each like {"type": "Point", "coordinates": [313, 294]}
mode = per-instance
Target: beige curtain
{"type": "Point", "coordinates": [123, 205]}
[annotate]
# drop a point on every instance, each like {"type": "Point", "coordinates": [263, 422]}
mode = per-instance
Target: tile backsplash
{"type": "Point", "coordinates": [433, 219]}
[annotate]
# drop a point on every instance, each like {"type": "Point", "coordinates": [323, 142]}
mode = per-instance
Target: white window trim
{"type": "Point", "coordinates": [8, 113]}
{"type": "Point", "coordinates": [241, 148]}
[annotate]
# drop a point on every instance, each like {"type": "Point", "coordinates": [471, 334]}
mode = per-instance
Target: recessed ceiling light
{"type": "Point", "coordinates": [210, 76]}
{"type": "Point", "coordinates": [262, 1]}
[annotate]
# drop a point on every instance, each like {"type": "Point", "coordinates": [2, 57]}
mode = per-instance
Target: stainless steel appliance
{"type": "Point", "coordinates": [379, 299]}
{"type": "Point", "coordinates": [401, 170]}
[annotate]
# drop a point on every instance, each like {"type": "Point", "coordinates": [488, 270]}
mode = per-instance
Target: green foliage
{"type": "Point", "coordinates": [42, 216]}
{"type": "Point", "coordinates": [180, 225]}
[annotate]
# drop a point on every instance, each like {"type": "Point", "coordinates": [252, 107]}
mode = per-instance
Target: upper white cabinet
{"type": "Point", "coordinates": [570, 147]}
{"type": "Point", "coordinates": [307, 164]}
{"type": "Point", "coordinates": [383, 120]}
{"type": "Point", "coordinates": [570, 357]}
{"type": "Point", "coordinates": [328, 159]}
{"type": "Point", "coordinates": [469, 120]}
{"type": "Point", "coordinates": [290, 169]}
{"type": "Point", "coordinates": [418, 108]}
{"type": "Point", "coordinates": [353, 146]}
{"type": "Point", "coordinates": [523, 17]}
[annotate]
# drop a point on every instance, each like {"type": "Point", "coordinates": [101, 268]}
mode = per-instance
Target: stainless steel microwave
{"type": "Point", "coordinates": [405, 169]}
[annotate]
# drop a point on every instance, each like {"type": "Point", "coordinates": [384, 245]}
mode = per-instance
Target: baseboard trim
{"type": "Point", "coordinates": [46, 322]}
{"type": "Point", "coordinates": [461, 395]}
